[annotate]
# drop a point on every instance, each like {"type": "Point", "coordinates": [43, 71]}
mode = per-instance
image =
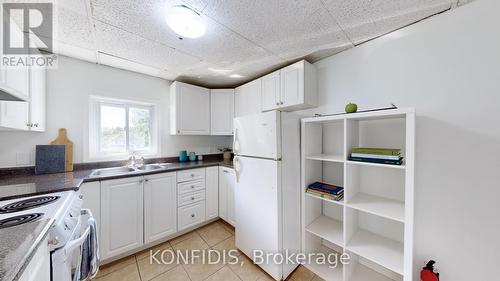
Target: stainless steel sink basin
{"type": "Point", "coordinates": [149, 167]}
{"type": "Point", "coordinates": [112, 171]}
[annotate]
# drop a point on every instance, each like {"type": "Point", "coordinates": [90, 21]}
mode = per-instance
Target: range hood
{"type": "Point", "coordinates": [5, 96]}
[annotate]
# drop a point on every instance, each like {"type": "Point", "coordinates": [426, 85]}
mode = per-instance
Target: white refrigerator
{"type": "Point", "coordinates": [267, 192]}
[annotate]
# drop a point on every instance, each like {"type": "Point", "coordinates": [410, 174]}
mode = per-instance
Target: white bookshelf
{"type": "Point", "coordinates": [374, 221]}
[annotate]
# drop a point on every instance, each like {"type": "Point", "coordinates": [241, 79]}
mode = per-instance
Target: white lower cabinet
{"type": "Point", "coordinates": [212, 192]}
{"type": "Point", "coordinates": [38, 269]}
{"type": "Point", "coordinates": [91, 192]}
{"type": "Point", "coordinates": [160, 206]}
{"type": "Point", "coordinates": [227, 183]}
{"type": "Point", "coordinates": [121, 216]}
{"type": "Point", "coordinates": [191, 215]}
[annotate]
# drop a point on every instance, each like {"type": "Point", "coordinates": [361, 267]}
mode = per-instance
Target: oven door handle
{"type": "Point", "coordinates": [71, 245]}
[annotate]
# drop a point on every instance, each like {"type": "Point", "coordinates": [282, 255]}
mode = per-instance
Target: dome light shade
{"type": "Point", "coordinates": [185, 21]}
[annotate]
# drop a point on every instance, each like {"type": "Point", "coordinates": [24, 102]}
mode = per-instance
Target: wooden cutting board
{"type": "Point", "coordinates": [62, 139]}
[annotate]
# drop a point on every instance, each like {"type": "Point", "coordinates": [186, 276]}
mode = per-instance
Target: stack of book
{"type": "Point", "coordinates": [377, 155]}
{"type": "Point", "coordinates": [327, 191]}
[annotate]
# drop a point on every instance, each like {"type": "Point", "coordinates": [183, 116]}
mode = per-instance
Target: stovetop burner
{"type": "Point", "coordinates": [21, 219]}
{"type": "Point", "coordinates": [27, 204]}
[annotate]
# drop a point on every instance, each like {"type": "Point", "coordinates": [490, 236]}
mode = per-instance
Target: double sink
{"type": "Point", "coordinates": [125, 170]}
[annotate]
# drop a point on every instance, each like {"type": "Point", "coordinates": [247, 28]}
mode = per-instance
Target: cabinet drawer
{"type": "Point", "coordinates": [191, 215]}
{"type": "Point", "coordinates": [191, 197]}
{"type": "Point", "coordinates": [191, 186]}
{"type": "Point", "coordinates": [194, 174]}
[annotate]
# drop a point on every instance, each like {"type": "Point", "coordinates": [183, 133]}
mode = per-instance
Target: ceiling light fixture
{"type": "Point", "coordinates": [236, 76]}
{"type": "Point", "coordinates": [220, 70]}
{"type": "Point", "coordinates": [185, 21]}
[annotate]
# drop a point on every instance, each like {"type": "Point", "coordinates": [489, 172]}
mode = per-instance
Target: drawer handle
{"type": "Point", "coordinates": [192, 215]}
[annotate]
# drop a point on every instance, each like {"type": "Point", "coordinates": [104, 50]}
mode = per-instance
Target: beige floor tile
{"type": "Point", "coordinates": [224, 274]}
{"type": "Point", "coordinates": [147, 252]}
{"type": "Point", "coordinates": [116, 265]}
{"type": "Point", "coordinates": [176, 274]}
{"type": "Point", "coordinates": [183, 237]}
{"type": "Point", "coordinates": [227, 226]}
{"type": "Point", "coordinates": [302, 274]}
{"type": "Point", "coordinates": [151, 268]}
{"type": "Point", "coordinates": [127, 273]}
{"type": "Point", "coordinates": [317, 278]}
{"type": "Point", "coordinates": [193, 243]}
{"type": "Point", "coordinates": [246, 269]}
{"type": "Point", "coordinates": [227, 245]}
{"type": "Point", "coordinates": [201, 268]}
{"type": "Point", "coordinates": [214, 234]}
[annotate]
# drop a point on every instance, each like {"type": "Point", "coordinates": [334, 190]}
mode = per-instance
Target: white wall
{"type": "Point", "coordinates": [448, 68]}
{"type": "Point", "coordinates": [68, 90]}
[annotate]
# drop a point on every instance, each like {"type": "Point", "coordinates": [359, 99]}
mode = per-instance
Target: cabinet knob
{"type": "Point", "coordinates": [192, 198]}
{"type": "Point", "coordinates": [178, 131]}
{"type": "Point", "coordinates": [192, 215]}
{"type": "Point", "coordinates": [192, 175]}
{"type": "Point", "coordinates": [192, 186]}
{"type": "Point", "coordinates": [277, 103]}
{"type": "Point", "coordinates": [281, 102]}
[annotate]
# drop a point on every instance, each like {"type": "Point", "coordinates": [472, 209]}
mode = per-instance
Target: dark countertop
{"type": "Point", "coordinates": [18, 243]}
{"type": "Point", "coordinates": [16, 186]}
{"type": "Point", "coordinates": [17, 246]}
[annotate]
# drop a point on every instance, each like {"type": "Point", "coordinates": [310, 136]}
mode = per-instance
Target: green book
{"type": "Point", "coordinates": [380, 151]}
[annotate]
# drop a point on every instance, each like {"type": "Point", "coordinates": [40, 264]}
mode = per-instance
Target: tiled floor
{"type": "Point", "coordinates": [217, 236]}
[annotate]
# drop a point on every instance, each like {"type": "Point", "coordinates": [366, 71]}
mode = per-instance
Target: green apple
{"type": "Point", "coordinates": [351, 108]}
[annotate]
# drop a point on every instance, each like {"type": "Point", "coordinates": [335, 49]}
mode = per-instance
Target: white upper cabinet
{"type": "Point", "coordinates": [291, 88]}
{"type": "Point", "coordinates": [160, 206]}
{"type": "Point", "coordinates": [248, 98]}
{"type": "Point", "coordinates": [38, 89]}
{"type": "Point", "coordinates": [221, 111]}
{"type": "Point", "coordinates": [189, 109]}
{"type": "Point", "coordinates": [14, 115]}
{"type": "Point", "coordinates": [271, 91]}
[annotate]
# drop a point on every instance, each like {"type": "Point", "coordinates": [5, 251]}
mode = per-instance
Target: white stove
{"type": "Point", "coordinates": [65, 236]}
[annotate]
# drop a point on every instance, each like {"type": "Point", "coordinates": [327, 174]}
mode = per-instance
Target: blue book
{"type": "Point", "coordinates": [377, 161]}
{"type": "Point", "coordinates": [326, 188]}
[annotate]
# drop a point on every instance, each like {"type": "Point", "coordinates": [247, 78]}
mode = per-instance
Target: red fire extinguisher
{"type": "Point", "coordinates": [427, 273]}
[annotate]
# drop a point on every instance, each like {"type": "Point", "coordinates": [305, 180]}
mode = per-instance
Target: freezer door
{"type": "Point", "coordinates": [258, 135]}
{"type": "Point", "coordinates": [258, 205]}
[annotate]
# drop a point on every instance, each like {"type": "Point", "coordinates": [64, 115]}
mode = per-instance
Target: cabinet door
{"type": "Point", "coordinates": [37, 99]}
{"type": "Point", "coordinates": [231, 184]}
{"type": "Point", "coordinates": [212, 193]}
{"type": "Point", "coordinates": [253, 92]}
{"type": "Point", "coordinates": [292, 84]}
{"type": "Point", "coordinates": [91, 192]}
{"type": "Point", "coordinates": [14, 115]}
{"type": "Point", "coordinates": [190, 109]}
{"type": "Point", "coordinates": [160, 206]}
{"type": "Point", "coordinates": [240, 104]}
{"type": "Point", "coordinates": [223, 180]}
{"type": "Point", "coordinates": [221, 111]}
{"type": "Point", "coordinates": [121, 216]}
{"type": "Point", "coordinates": [271, 91]}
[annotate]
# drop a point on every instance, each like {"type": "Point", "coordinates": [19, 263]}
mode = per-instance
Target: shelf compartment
{"type": "Point", "coordinates": [323, 270]}
{"type": "Point", "coordinates": [378, 249]}
{"type": "Point", "coordinates": [399, 167]}
{"type": "Point", "coordinates": [327, 158]}
{"type": "Point", "coordinates": [375, 205]}
{"type": "Point", "coordinates": [363, 273]}
{"type": "Point", "coordinates": [341, 202]}
{"type": "Point", "coordinates": [327, 228]}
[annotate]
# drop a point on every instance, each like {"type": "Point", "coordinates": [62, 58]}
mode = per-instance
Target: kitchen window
{"type": "Point", "coordinates": [119, 128]}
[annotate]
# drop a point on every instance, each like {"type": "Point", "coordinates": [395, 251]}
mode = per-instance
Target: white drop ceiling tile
{"type": "Point", "coordinates": [218, 45]}
{"type": "Point", "coordinates": [283, 27]}
{"type": "Point", "coordinates": [114, 41]}
{"type": "Point", "coordinates": [74, 28]}
{"type": "Point", "coordinates": [198, 5]}
{"type": "Point", "coordinates": [463, 2]}
{"type": "Point", "coordinates": [355, 14]}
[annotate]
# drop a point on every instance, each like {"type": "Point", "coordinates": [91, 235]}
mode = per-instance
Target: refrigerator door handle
{"type": "Point", "coordinates": [236, 144]}
{"type": "Point", "coordinates": [237, 168]}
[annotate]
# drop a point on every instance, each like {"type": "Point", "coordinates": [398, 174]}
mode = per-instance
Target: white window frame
{"type": "Point", "coordinates": [94, 132]}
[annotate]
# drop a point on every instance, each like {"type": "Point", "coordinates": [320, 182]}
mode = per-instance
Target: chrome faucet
{"type": "Point", "coordinates": [134, 161]}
